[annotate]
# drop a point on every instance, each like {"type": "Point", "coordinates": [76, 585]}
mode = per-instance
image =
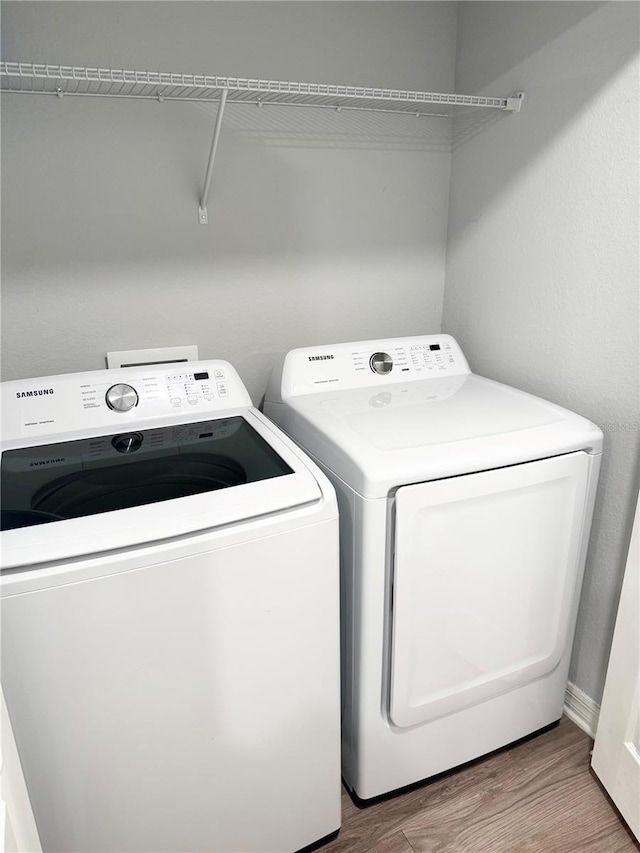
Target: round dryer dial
{"type": "Point", "coordinates": [381, 362]}
{"type": "Point", "coordinates": [121, 397]}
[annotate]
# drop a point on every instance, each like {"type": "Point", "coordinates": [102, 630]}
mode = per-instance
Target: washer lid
{"type": "Point", "coordinates": [380, 437]}
{"type": "Point", "coordinates": [83, 495]}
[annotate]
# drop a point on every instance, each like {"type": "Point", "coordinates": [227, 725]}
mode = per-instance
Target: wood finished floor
{"type": "Point", "coordinates": [537, 797]}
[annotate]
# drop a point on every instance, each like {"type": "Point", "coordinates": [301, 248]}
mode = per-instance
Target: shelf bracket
{"type": "Point", "coordinates": [203, 216]}
{"type": "Point", "coordinates": [514, 102]}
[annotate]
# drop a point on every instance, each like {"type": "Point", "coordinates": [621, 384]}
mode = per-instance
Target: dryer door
{"type": "Point", "coordinates": [486, 571]}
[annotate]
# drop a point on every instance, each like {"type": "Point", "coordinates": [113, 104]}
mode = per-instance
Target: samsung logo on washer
{"type": "Point", "coordinates": [39, 393]}
{"type": "Point", "coordinates": [320, 357]}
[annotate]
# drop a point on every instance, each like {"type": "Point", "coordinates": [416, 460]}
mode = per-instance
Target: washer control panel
{"type": "Point", "coordinates": [369, 363]}
{"type": "Point", "coordinates": [119, 398]}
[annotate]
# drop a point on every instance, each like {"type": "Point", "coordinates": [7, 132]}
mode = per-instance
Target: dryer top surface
{"type": "Point", "coordinates": [423, 427]}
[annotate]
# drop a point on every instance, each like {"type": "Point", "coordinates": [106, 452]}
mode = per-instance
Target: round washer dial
{"type": "Point", "coordinates": [121, 397]}
{"type": "Point", "coordinates": [128, 442]}
{"type": "Point", "coordinates": [381, 362]}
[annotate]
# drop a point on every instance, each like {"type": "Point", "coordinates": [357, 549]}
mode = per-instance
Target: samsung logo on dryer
{"type": "Point", "coordinates": [39, 392]}
{"type": "Point", "coordinates": [320, 357]}
{"type": "Point", "coordinates": [41, 462]}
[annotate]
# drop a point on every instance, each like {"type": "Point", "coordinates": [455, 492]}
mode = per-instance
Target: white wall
{"type": "Point", "coordinates": [323, 226]}
{"type": "Point", "coordinates": [331, 227]}
{"type": "Point", "coordinates": [542, 266]}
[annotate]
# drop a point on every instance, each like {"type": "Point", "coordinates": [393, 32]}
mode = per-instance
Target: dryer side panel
{"type": "Point", "coordinates": [487, 570]}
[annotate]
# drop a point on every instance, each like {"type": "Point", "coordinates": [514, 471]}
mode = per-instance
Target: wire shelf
{"type": "Point", "coordinates": [62, 80]}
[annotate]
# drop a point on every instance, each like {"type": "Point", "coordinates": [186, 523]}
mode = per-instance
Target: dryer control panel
{"type": "Point", "coordinates": [367, 363]}
{"type": "Point", "coordinates": [119, 398]}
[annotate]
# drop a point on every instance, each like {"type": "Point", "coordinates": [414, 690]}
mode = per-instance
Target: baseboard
{"type": "Point", "coordinates": [581, 709]}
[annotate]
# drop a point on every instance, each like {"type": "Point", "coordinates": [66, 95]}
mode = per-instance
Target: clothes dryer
{"type": "Point", "coordinates": [465, 509]}
{"type": "Point", "coordinates": [169, 615]}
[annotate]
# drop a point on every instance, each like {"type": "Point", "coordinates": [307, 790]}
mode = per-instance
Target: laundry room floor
{"type": "Point", "coordinates": [537, 797]}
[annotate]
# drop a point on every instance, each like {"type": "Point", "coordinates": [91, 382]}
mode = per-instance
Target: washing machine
{"type": "Point", "coordinates": [465, 508]}
{"type": "Point", "coordinates": [169, 602]}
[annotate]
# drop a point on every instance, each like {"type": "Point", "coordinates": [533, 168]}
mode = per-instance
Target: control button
{"type": "Point", "coordinates": [175, 401]}
{"type": "Point", "coordinates": [219, 374]}
{"type": "Point", "coordinates": [121, 397]}
{"type": "Point", "coordinates": [381, 362]}
{"type": "Point", "coordinates": [128, 442]}
{"type": "Point", "coordinates": [222, 389]}
{"type": "Point", "coordinates": [192, 400]}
